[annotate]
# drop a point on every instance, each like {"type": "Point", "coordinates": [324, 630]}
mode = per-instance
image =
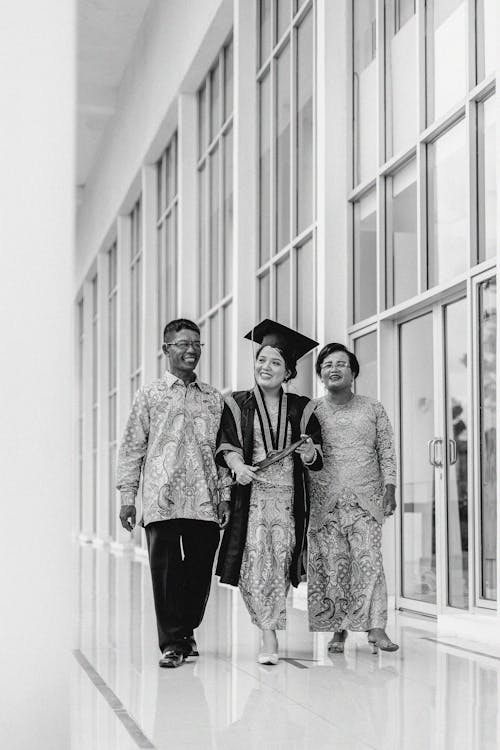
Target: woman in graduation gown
{"type": "Point", "coordinates": [261, 551]}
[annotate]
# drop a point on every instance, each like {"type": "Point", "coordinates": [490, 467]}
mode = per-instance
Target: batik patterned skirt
{"type": "Point", "coordinates": [346, 581]}
{"type": "Point", "coordinates": [264, 576]}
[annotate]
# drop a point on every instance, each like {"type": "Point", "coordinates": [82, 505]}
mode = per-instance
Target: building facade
{"type": "Point", "coordinates": [334, 165]}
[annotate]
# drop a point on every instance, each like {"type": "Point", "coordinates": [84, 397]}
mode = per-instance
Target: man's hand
{"type": "Point", "coordinates": [224, 512]}
{"type": "Point", "coordinates": [127, 517]}
{"type": "Point", "coordinates": [389, 500]}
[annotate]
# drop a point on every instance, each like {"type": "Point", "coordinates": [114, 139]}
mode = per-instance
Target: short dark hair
{"type": "Point", "coordinates": [178, 325]}
{"type": "Point", "coordinates": [290, 362]}
{"type": "Point", "coordinates": [333, 347]}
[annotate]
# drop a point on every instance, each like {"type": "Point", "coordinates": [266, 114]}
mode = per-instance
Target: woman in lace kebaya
{"type": "Point", "coordinates": [350, 498]}
{"type": "Point", "coordinates": [261, 551]}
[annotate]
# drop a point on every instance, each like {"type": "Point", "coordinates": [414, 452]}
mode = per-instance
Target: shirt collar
{"type": "Point", "coordinates": [170, 379]}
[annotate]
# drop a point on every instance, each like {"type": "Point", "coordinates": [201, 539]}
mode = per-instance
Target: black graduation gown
{"type": "Point", "coordinates": [236, 434]}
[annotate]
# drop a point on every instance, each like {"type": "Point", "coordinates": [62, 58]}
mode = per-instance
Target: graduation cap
{"type": "Point", "coordinates": [270, 333]}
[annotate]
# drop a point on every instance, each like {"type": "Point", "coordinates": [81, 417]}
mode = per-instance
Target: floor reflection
{"type": "Point", "coordinates": [429, 695]}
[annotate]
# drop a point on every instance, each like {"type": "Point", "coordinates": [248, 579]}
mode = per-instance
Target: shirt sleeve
{"type": "Point", "coordinates": [229, 437]}
{"type": "Point", "coordinates": [133, 448]}
{"type": "Point", "coordinates": [385, 446]}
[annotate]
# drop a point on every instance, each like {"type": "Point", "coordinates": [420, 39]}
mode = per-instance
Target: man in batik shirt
{"type": "Point", "coordinates": [170, 439]}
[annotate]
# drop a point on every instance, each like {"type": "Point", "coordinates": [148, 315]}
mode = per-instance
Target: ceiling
{"type": "Point", "coordinates": [107, 30]}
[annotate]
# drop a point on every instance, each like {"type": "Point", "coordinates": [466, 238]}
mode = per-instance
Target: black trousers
{"type": "Point", "coordinates": [181, 576]}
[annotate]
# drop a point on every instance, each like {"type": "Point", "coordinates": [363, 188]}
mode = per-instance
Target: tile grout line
{"type": "Point", "coordinates": [113, 702]}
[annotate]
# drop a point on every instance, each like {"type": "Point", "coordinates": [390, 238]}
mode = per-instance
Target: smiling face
{"type": "Point", "coordinates": [336, 374]}
{"type": "Point", "coordinates": [184, 355]}
{"type": "Point", "coordinates": [270, 368]}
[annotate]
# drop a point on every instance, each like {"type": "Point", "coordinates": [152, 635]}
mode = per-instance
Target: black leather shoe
{"type": "Point", "coordinates": [171, 659]}
{"type": "Point", "coordinates": [191, 646]}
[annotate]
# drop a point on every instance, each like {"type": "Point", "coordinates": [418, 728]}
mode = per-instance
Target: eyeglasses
{"type": "Point", "coordinates": [334, 365]}
{"type": "Point", "coordinates": [184, 344]}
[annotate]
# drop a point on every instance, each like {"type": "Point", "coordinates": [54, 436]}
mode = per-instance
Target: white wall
{"type": "Point", "coordinates": [159, 68]}
{"type": "Point", "coordinates": [37, 70]}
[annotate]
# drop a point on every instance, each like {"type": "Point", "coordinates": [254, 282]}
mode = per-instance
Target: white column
{"type": "Point", "coordinates": [333, 173]}
{"type": "Point", "coordinates": [37, 187]}
{"type": "Point", "coordinates": [187, 238]}
{"type": "Point", "coordinates": [245, 224]}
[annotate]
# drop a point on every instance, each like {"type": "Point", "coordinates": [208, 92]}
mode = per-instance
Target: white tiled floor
{"type": "Point", "coordinates": [431, 694]}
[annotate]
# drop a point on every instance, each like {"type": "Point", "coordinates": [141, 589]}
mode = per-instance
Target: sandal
{"type": "Point", "coordinates": [383, 643]}
{"type": "Point", "coordinates": [336, 644]}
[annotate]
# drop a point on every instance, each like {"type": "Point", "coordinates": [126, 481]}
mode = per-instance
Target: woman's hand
{"type": "Point", "coordinates": [306, 451]}
{"type": "Point", "coordinates": [389, 500]}
{"type": "Point", "coordinates": [244, 474]}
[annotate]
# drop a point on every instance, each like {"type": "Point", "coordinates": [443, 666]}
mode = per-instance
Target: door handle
{"type": "Point", "coordinates": [434, 459]}
{"type": "Point", "coordinates": [452, 447]}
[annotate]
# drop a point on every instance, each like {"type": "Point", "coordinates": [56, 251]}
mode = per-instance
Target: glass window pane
{"type": "Point", "coordinates": [401, 75]}
{"type": "Point", "coordinates": [365, 349]}
{"type": "Point", "coordinates": [446, 56]}
{"type": "Point", "coordinates": [305, 301]}
{"type": "Point", "coordinates": [228, 81]}
{"type": "Point", "coordinates": [228, 212]}
{"type": "Point", "coordinates": [418, 510]}
{"type": "Point", "coordinates": [364, 90]}
{"type": "Point", "coordinates": [283, 150]}
{"type": "Point", "coordinates": [487, 184]}
{"type": "Point", "coordinates": [202, 120]}
{"type": "Point", "coordinates": [214, 226]}
{"type": "Point", "coordinates": [402, 260]}
{"type": "Point", "coordinates": [172, 285]}
{"type": "Point", "coordinates": [202, 241]}
{"type": "Point", "coordinates": [161, 279]}
{"type": "Point", "coordinates": [447, 205]}
{"type": "Point", "coordinates": [264, 170]}
{"type": "Point", "coordinates": [227, 346]}
{"type": "Point", "coordinates": [202, 364]}
{"type": "Point", "coordinates": [173, 163]}
{"type": "Point", "coordinates": [264, 296]}
{"type": "Point", "coordinates": [487, 45]}
{"type": "Point", "coordinates": [305, 125]}
{"type": "Point", "coordinates": [169, 176]}
{"type": "Point", "coordinates": [488, 438]}
{"type": "Point", "coordinates": [456, 428]}
{"type": "Point", "coordinates": [214, 354]}
{"type": "Point", "coordinates": [365, 257]}
{"type": "Point", "coordinates": [265, 29]}
{"type": "Point", "coordinates": [214, 101]}
{"type": "Point", "coordinates": [283, 17]}
{"type": "Point", "coordinates": [283, 291]}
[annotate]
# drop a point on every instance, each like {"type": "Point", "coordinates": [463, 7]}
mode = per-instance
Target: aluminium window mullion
{"type": "Point", "coordinates": [293, 185]}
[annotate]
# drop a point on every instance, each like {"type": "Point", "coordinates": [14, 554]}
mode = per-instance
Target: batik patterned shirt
{"type": "Point", "coordinates": [170, 439]}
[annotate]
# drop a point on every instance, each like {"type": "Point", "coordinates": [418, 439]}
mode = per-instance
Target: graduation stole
{"type": "Point", "coordinates": [272, 441]}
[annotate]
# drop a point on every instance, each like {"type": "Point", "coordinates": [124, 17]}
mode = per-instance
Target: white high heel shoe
{"type": "Point", "coordinates": [268, 658]}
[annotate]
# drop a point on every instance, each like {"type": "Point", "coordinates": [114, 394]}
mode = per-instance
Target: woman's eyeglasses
{"type": "Point", "coordinates": [334, 366]}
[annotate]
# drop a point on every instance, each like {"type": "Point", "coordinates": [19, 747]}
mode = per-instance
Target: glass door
{"type": "Point", "coordinates": [433, 450]}
{"type": "Point", "coordinates": [417, 430]}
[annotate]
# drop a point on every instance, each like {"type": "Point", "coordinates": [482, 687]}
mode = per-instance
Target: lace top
{"type": "Point", "coordinates": [358, 454]}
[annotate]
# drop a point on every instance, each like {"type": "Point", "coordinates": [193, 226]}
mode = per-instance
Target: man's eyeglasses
{"type": "Point", "coordinates": [184, 344]}
{"type": "Point", "coordinates": [334, 365]}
